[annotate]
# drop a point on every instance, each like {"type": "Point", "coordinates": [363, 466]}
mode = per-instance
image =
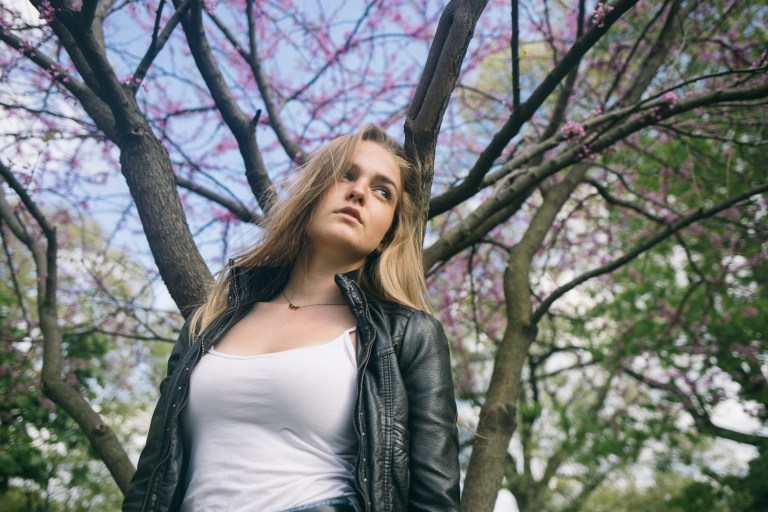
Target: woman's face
{"type": "Point", "coordinates": [353, 216]}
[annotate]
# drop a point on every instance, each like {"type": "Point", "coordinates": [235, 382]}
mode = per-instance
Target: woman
{"type": "Point", "coordinates": [261, 412]}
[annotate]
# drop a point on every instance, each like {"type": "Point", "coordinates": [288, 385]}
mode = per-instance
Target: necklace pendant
{"type": "Point", "coordinates": [291, 306]}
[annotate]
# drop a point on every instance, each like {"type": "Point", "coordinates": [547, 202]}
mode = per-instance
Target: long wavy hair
{"type": "Point", "coordinates": [395, 275]}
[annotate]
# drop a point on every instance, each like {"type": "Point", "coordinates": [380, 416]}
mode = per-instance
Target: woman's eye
{"type": "Point", "coordinates": [348, 176]}
{"type": "Point", "coordinates": [385, 193]}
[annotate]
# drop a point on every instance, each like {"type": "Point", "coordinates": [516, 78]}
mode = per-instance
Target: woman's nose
{"type": "Point", "coordinates": [356, 194]}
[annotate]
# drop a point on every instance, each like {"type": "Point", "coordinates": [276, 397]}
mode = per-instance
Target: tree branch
{"type": "Point", "coordinates": [594, 479]}
{"type": "Point", "coordinates": [54, 384]}
{"type": "Point", "coordinates": [96, 108]}
{"type": "Point", "coordinates": [633, 51]}
{"type": "Point", "coordinates": [558, 112]}
{"type": "Point", "coordinates": [519, 183]}
{"type": "Point", "coordinates": [656, 54]}
{"type": "Point", "coordinates": [545, 214]}
{"type": "Point", "coordinates": [30, 205]}
{"type": "Point", "coordinates": [701, 418]}
{"type": "Point", "coordinates": [8, 216]}
{"type": "Point", "coordinates": [294, 152]}
{"type": "Point", "coordinates": [88, 12]}
{"type": "Point", "coordinates": [471, 183]}
{"type": "Point", "coordinates": [697, 215]}
{"type": "Point", "coordinates": [441, 71]}
{"type": "Point", "coordinates": [5, 212]}
{"type": "Point", "coordinates": [471, 236]}
{"type": "Point", "coordinates": [158, 41]}
{"type": "Point", "coordinates": [139, 337]}
{"type": "Point", "coordinates": [349, 43]}
{"type": "Point", "coordinates": [515, 44]}
{"type": "Point", "coordinates": [145, 163]}
{"type": "Point", "coordinates": [85, 44]}
{"type": "Point", "coordinates": [67, 39]}
{"type": "Point", "coordinates": [241, 125]}
{"type": "Point", "coordinates": [612, 200]}
{"type": "Point", "coordinates": [239, 210]}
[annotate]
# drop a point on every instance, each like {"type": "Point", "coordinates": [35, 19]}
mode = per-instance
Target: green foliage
{"type": "Point", "coordinates": [46, 461]}
{"type": "Point", "coordinates": [627, 496]}
{"type": "Point", "coordinates": [731, 493]}
{"type": "Point", "coordinates": [44, 451]}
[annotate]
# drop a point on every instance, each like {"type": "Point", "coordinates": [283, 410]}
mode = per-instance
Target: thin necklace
{"type": "Point", "coordinates": [294, 307]}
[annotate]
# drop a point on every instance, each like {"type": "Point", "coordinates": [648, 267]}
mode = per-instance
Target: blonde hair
{"type": "Point", "coordinates": [394, 275]}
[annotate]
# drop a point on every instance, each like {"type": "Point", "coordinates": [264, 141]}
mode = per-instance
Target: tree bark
{"type": "Point", "coordinates": [145, 163]}
{"type": "Point", "coordinates": [498, 414]}
{"type": "Point", "coordinates": [147, 169]}
{"type": "Point", "coordinates": [441, 71]}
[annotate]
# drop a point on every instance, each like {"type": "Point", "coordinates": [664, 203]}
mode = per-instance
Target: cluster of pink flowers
{"type": "Point", "coordinates": [670, 98]}
{"type": "Point", "coordinates": [57, 75]}
{"type": "Point", "coordinates": [572, 129]}
{"type": "Point", "coordinates": [209, 5]}
{"type": "Point", "coordinates": [46, 10]}
{"type": "Point", "coordinates": [129, 80]}
{"type": "Point", "coordinates": [135, 82]}
{"type": "Point", "coordinates": [599, 14]}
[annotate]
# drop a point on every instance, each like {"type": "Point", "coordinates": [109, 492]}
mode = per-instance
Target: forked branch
{"type": "Point", "coordinates": [241, 125]}
{"type": "Point", "coordinates": [158, 41]}
{"type": "Point", "coordinates": [484, 162]}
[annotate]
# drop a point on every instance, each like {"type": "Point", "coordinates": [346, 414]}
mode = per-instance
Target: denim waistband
{"type": "Point", "coordinates": [341, 504]}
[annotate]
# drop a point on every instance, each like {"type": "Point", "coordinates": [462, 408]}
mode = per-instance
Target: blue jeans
{"type": "Point", "coordinates": [344, 500]}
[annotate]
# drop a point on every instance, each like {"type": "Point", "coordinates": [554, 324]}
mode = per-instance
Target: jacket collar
{"type": "Point", "coordinates": [258, 284]}
{"type": "Point", "coordinates": [353, 295]}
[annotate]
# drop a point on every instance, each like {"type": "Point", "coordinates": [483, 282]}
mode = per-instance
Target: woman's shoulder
{"type": "Point", "coordinates": [407, 322]}
{"type": "Point", "coordinates": [417, 337]}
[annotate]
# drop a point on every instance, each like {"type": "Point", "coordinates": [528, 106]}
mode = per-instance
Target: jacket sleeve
{"type": "Point", "coordinates": [151, 453]}
{"type": "Point", "coordinates": [425, 365]}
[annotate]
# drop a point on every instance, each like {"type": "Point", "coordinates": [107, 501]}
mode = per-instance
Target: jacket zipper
{"type": "Point", "coordinates": [361, 429]}
{"type": "Point", "coordinates": [358, 423]}
{"type": "Point", "coordinates": [184, 402]}
{"type": "Point", "coordinates": [152, 484]}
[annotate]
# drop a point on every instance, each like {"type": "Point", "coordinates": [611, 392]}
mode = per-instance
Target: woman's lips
{"type": "Point", "coordinates": [352, 212]}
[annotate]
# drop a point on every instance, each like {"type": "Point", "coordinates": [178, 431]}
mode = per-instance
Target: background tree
{"type": "Point", "coordinates": [597, 240]}
{"type": "Point", "coordinates": [46, 463]}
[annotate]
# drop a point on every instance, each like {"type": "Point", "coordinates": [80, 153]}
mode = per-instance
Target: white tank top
{"type": "Point", "coordinates": [270, 432]}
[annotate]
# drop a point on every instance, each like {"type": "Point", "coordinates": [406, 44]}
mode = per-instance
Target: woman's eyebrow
{"type": "Point", "coordinates": [376, 176]}
{"type": "Point", "coordinates": [386, 179]}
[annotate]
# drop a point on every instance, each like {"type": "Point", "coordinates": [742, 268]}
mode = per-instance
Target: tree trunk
{"type": "Point", "coordinates": [497, 417]}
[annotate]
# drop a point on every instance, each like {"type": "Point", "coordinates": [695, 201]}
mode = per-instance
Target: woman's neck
{"type": "Point", "coordinates": [312, 282]}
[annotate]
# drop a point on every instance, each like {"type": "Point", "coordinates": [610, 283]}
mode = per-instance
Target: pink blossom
{"type": "Point", "coordinates": [599, 14]}
{"type": "Point", "coordinates": [46, 11]}
{"type": "Point", "coordinates": [225, 216]}
{"type": "Point", "coordinates": [572, 129]}
{"type": "Point", "coordinates": [670, 98]}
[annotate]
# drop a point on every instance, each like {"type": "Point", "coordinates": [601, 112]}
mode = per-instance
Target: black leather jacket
{"type": "Point", "coordinates": [405, 412]}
